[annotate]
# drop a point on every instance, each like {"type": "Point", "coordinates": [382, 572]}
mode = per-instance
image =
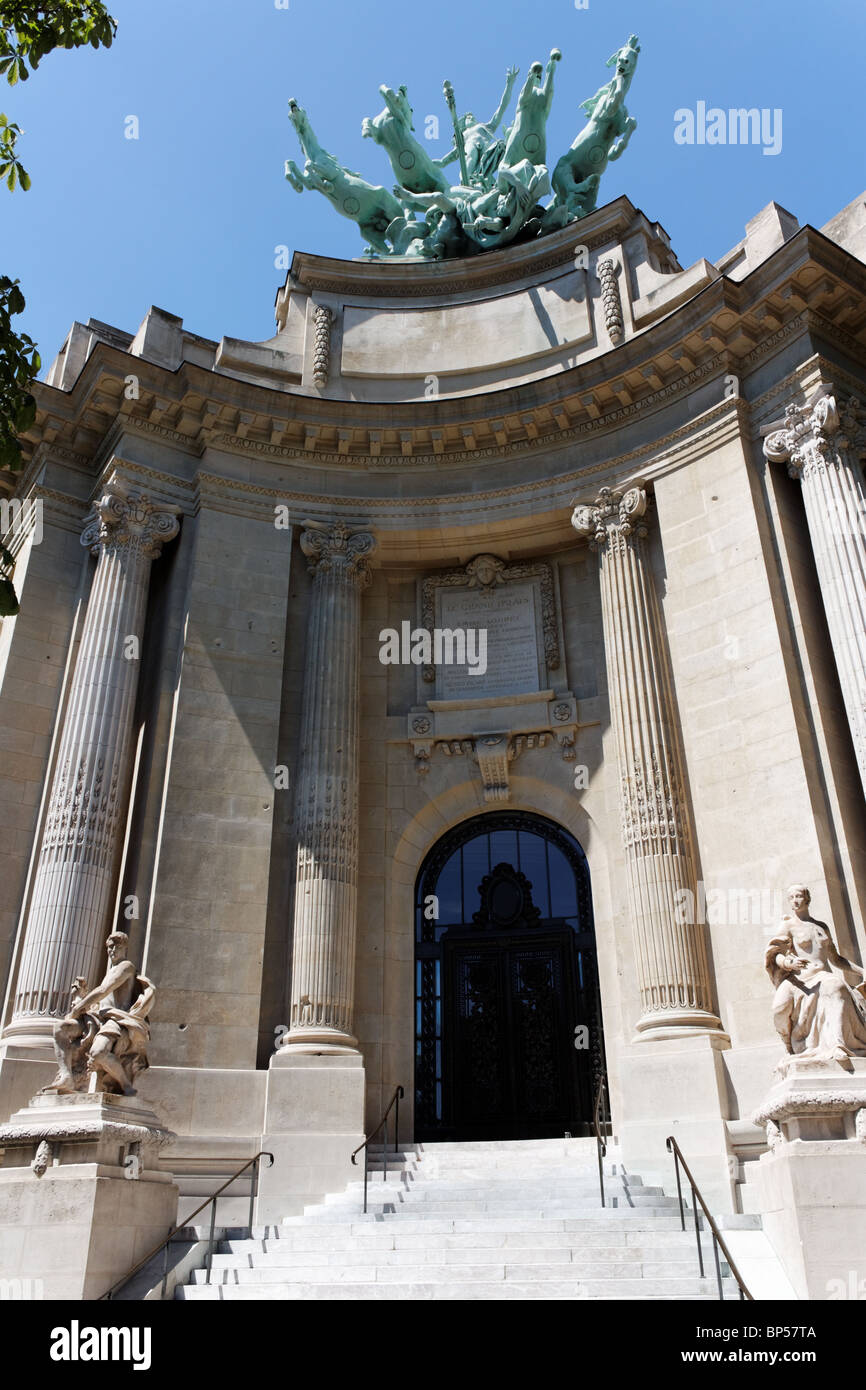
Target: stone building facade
{"type": "Point", "coordinates": [644, 484]}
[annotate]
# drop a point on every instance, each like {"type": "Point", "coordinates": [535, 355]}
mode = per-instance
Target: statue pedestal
{"type": "Point", "coordinates": [813, 1180]}
{"type": "Point", "coordinates": [81, 1196]}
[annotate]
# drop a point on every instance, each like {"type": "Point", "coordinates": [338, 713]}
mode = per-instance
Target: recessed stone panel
{"type": "Point", "coordinates": [466, 337]}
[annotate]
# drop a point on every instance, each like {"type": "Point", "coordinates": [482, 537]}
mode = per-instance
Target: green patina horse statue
{"type": "Point", "coordinates": [371, 206]}
{"type": "Point", "coordinates": [603, 138]}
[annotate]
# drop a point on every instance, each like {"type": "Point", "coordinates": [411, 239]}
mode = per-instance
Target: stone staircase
{"type": "Point", "coordinates": [504, 1220]}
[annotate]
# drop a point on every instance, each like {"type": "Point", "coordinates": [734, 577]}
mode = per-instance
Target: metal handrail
{"type": "Point", "coordinates": [395, 1100]}
{"type": "Point", "coordinates": [600, 1144]}
{"type": "Point", "coordinates": [164, 1244]}
{"type": "Point", "coordinates": [718, 1239]}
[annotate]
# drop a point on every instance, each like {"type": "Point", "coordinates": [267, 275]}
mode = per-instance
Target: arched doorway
{"type": "Point", "coordinates": [508, 1034]}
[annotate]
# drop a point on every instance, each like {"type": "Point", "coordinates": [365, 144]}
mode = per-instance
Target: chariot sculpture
{"type": "Point", "coordinates": [502, 177]}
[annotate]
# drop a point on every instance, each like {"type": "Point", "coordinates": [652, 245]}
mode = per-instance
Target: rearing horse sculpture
{"type": "Point", "coordinates": [371, 206]}
{"type": "Point", "coordinates": [412, 165]}
{"type": "Point", "coordinates": [603, 138]}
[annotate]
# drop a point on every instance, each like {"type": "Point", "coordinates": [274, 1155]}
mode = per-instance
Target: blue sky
{"type": "Point", "coordinates": [188, 216]}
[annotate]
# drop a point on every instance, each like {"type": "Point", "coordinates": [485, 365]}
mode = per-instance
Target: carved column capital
{"type": "Point", "coordinates": [814, 434]}
{"type": "Point", "coordinates": [338, 551]}
{"type": "Point", "coordinates": [616, 512]}
{"type": "Point", "coordinates": [129, 521]}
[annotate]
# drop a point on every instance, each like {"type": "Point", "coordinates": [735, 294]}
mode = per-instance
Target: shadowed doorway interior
{"type": "Point", "coordinates": [508, 1038]}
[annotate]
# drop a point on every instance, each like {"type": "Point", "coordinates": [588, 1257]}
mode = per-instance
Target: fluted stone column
{"type": "Point", "coordinates": [76, 874]}
{"type": "Point", "coordinates": [326, 890]}
{"type": "Point", "coordinates": [676, 996]}
{"type": "Point", "coordinates": [820, 443]}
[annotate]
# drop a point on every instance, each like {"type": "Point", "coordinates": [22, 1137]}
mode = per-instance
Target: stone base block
{"type": "Point", "coordinates": [22, 1073]}
{"type": "Point", "coordinates": [812, 1182]}
{"type": "Point", "coordinates": [81, 1199]}
{"type": "Point", "coordinates": [677, 1087]}
{"type": "Point", "coordinates": [314, 1118]}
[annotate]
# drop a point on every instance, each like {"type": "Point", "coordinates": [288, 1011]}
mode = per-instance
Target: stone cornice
{"type": "Point", "coordinates": [725, 420]}
{"type": "Point", "coordinates": [728, 327]}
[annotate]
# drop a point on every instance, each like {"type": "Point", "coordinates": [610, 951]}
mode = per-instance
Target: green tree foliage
{"type": "Point", "coordinates": [28, 32]}
{"type": "Point", "coordinates": [19, 363]}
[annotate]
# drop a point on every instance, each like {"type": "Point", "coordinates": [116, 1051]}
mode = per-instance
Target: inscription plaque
{"type": "Point", "coordinates": [509, 615]}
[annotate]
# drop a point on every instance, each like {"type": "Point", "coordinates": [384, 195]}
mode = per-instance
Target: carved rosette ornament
{"type": "Point", "coordinates": [75, 880]}
{"type": "Point", "coordinates": [672, 961]}
{"type": "Point", "coordinates": [326, 881]}
{"type": "Point", "coordinates": [823, 445]}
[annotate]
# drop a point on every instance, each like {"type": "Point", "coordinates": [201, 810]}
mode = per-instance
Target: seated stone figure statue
{"type": "Point", "coordinates": [101, 1044]}
{"type": "Point", "coordinates": [819, 1007]}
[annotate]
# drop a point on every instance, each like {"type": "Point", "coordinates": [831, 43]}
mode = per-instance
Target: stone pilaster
{"type": "Point", "coordinates": [76, 874]}
{"type": "Point", "coordinates": [819, 443]}
{"type": "Point", "coordinates": [673, 972]}
{"type": "Point", "coordinates": [326, 889]}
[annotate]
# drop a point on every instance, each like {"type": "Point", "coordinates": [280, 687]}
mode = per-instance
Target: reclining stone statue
{"type": "Point", "coordinates": [101, 1044]}
{"type": "Point", "coordinates": [819, 1007]}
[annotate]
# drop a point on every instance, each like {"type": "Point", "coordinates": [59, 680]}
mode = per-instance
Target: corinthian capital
{"type": "Point", "coordinates": [615, 512]}
{"type": "Point", "coordinates": [129, 521]}
{"type": "Point", "coordinates": [813, 433]}
{"type": "Point", "coordinates": [338, 550]}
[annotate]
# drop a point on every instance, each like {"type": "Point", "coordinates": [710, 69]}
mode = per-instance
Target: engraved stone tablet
{"type": "Point", "coordinates": [508, 614]}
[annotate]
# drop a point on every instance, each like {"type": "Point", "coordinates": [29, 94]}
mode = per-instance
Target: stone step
{"type": "Point", "coordinates": [431, 1273]}
{"type": "Point", "coordinates": [527, 1221]}
{"type": "Point", "coordinates": [382, 1197]}
{"type": "Point", "coordinates": [334, 1241]}
{"type": "Point", "coordinates": [545, 1150]}
{"type": "Point", "coordinates": [602, 1257]}
{"type": "Point", "coordinates": [499, 1289]}
{"type": "Point", "coordinates": [429, 1163]}
{"type": "Point", "coordinates": [500, 1186]}
{"type": "Point", "coordinates": [391, 1207]}
{"type": "Point", "coordinates": [527, 1148]}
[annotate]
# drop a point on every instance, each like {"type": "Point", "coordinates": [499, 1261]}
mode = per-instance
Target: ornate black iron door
{"type": "Point", "coordinates": [509, 1034]}
{"type": "Point", "coordinates": [508, 1019]}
